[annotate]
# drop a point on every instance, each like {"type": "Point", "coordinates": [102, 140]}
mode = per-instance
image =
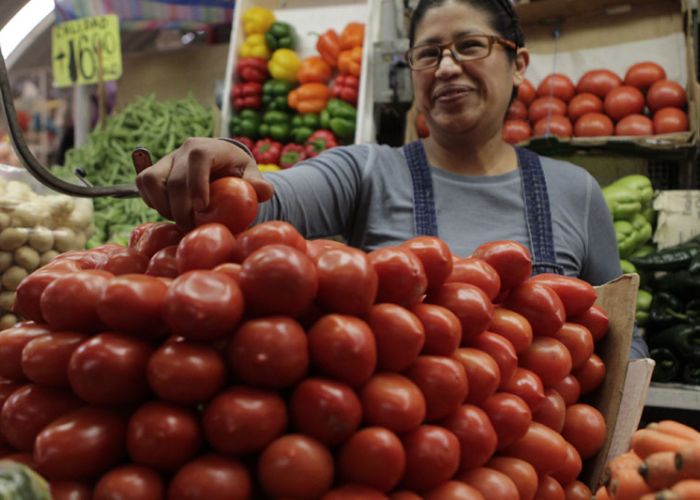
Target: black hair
{"type": "Point", "coordinates": [502, 17]}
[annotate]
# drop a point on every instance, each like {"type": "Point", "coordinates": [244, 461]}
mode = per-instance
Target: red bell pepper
{"type": "Point", "coordinates": [267, 151]}
{"type": "Point", "coordinates": [291, 155]}
{"type": "Point", "coordinates": [252, 69]}
{"type": "Point", "coordinates": [249, 143]}
{"type": "Point", "coordinates": [350, 61]}
{"type": "Point", "coordinates": [319, 141]}
{"type": "Point", "coordinates": [352, 36]}
{"type": "Point", "coordinates": [328, 45]}
{"type": "Point", "coordinates": [247, 95]}
{"type": "Point", "coordinates": [346, 88]}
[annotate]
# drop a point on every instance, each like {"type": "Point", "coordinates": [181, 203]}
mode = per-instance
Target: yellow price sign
{"type": "Point", "coordinates": [84, 48]}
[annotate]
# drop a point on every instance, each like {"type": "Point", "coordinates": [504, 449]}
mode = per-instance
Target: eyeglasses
{"type": "Point", "coordinates": [466, 48]}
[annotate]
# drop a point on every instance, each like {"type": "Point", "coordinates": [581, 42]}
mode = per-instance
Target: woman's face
{"type": "Point", "coordinates": [460, 97]}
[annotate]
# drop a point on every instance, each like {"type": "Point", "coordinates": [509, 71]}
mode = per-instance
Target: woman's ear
{"type": "Point", "coordinates": [522, 60]}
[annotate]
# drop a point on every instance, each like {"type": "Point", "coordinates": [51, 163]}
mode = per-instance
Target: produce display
{"type": "Point", "coordinates": [247, 362]}
{"type": "Point", "coordinates": [105, 159]}
{"type": "Point", "coordinates": [600, 104]}
{"type": "Point", "coordinates": [663, 463]}
{"type": "Point", "coordinates": [286, 108]}
{"type": "Point", "coordinates": [34, 228]}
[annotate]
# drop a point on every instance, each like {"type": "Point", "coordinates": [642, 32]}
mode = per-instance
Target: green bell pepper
{"type": "Point", "coordinates": [639, 183]}
{"type": "Point", "coordinates": [683, 339]}
{"type": "Point", "coordinates": [622, 201]}
{"type": "Point", "coordinates": [627, 238]}
{"type": "Point", "coordinates": [275, 94]}
{"type": "Point", "coordinates": [303, 126]}
{"type": "Point", "coordinates": [667, 365]}
{"type": "Point", "coordinates": [627, 266]}
{"type": "Point", "coordinates": [280, 36]}
{"type": "Point", "coordinates": [644, 300]}
{"type": "Point", "coordinates": [666, 309]}
{"type": "Point", "coordinates": [340, 117]}
{"type": "Point", "coordinates": [644, 230]}
{"type": "Point", "coordinates": [649, 214]}
{"type": "Point", "coordinates": [276, 125]}
{"type": "Point", "coordinates": [246, 123]}
{"type": "Point", "coordinates": [643, 251]}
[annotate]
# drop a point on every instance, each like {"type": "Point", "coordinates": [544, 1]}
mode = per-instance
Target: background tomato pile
{"type": "Point", "coordinates": [208, 365]}
{"type": "Point", "coordinates": [600, 104]}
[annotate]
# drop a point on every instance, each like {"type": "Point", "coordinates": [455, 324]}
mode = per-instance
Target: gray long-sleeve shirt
{"type": "Point", "coordinates": [365, 193]}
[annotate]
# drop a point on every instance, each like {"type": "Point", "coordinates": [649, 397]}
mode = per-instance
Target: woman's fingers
{"type": "Point", "coordinates": [152, 185]}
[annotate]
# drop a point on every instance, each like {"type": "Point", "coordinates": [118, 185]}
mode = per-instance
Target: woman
{"type": "Point", "coordinates": [463, 183]}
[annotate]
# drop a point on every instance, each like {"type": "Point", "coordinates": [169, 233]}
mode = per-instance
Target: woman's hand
{"type": "Point", "coordinates": [179, 182]}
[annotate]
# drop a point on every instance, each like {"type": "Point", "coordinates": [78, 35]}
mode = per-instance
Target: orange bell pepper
{"type": "Point", "coordinates": [314, 69]}
{"type": "Point", "coordinates": [350, 61]}
{"type": "Point", "coordinates": [309, 98]}
{"type": "Point", "coordinates": [328, 45]}
{"type": "Point", "coordinates": [352, 36]}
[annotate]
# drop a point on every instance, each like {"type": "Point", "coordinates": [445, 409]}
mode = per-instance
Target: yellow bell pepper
{"type": "Point", "coordinates": [257, 20]}
{"type": "Point", "coordinates": [268, 167]}
{"type": "Point", "coordinates": [255, 46]}
{"type": "Point", "coordinates": [284, 65]}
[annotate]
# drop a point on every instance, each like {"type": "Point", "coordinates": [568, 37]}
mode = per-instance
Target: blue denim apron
{"type": "Point", "coordinates": [538, 217]}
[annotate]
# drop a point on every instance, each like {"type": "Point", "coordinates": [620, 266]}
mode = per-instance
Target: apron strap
{"type": "Point", "coordinates": [423, 198]}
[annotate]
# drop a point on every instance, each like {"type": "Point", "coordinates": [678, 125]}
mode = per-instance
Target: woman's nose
{"type": "Point", "coordinates": [448, 65]}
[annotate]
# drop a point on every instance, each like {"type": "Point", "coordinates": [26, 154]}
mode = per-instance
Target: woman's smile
{"type": "Point", "coordinates": [449, 93]}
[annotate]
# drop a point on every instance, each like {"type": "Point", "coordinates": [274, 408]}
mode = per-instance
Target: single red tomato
{"type": "Point", "coordinates": [543, 448]}
{"type": "Point", "coordinates": [31, 408]}
{"type": "Point", "coordinates": [392, 401]}
{"type": "Point", "coordinates": [623, 101]}
{"type": "Point", "coordinates": [263, 272]}
{"type": "Point", "coordinates": [325, 410]}
{"type": "Point", "coordinates": [402, 278]}
{"type": "Point", "coordinates": [138, 232]}
{"type": "Point", "coordinates": [528, 386]}
{"type": "Point", "coordinates": [314, 248]}
{"type": "Point", "coordinates": [634, 125]}
{"type": "Point", "coordinates": [577, 491]}
{"type": "Point", "coordinates": [501, 350]}
{"type": "Point", "coordinates": [570, 469]}
{"type": "Point", "coordinates": [110, 369]}
{"type": "Point", "coordinates": [669, 120]}
{"type": "Point", "coordinates": [543, 107]}
{"type": "Point", "coordinates": [70, 490]}
{"type": "Point", "coordinates": [343, 348]}
{"type": "Point", "coordinates": [45, 359]}
{"type": "Point", "coordinates": [591, 374]}
{"type": "Point", "coordinates": [399, 335]}
{"type": "Point", "coordinates": [156, 237]}
{"type": "Point", "coordinates": [491, 483]}
{"type": "Point", "coordinates": [559, 126]}
{"type": "Point", "coordinates": [541, 306]}
{"type": "Point", "coordinates": [469, 303]}
{"type": "Point", "coordinates": [435, 256]}
{"type": "Point", "coordinates": [432, 457]}
{"type": "Point", "coordinates": [556, 85]}
{"type": "Point", "coordinates": [526, 92]}
{"type": "Point", "coordinates": [347, 281]}
{"type": "Point", "coordinates": [548, 358]}
{"type": "Point", "coordinates": [186, 373]}
{"type": "Point", "coordinates": [598, 82]}
{"type": "Point", "coordinates": [295, 466]}
{"type": "Point", "coordinates": [516, 131]}
{"type": "Point", "coordinates": [511, 260]}
{"type": "Point", "coordinates": [80, 445]}
{"type": "Point", "coordinates": [476, 272]}
{"type": "Point", "coordinates": [267, 233]}
{"type": "Point", "coordinates": [28, 293]}
{"type": "Point", "coordinates": [644, 74]}
{"type": "Point", "coordinates": [513, 327]}
{"type": "Point", "coordinates": [232, 202]}
{"type": "Point", "coordinates": [595, 319]}
{"type": "Point", "coordinates": [517, 110]}
{"type": "Point", "coordinates": [373, 457]}
{"type": "Point", "coordinates": [12, 341]}
{"type": "Point", "coordinates": [443, 331]}
{"type": "Point", "coordinates": [125, 261]}
{"type": "Point", "coordinates": [203, 305]}
{"type": "Point", "coordinates": [552, 411]}
{"type": "Point", "coordinates": [7, 387]}
{"type": "Point", "coordinates": [593, 125]}
{"type": "Point", "coordinates": [83, 259]}
{"type": "Point", "coordinates": [354, 492]}
{"type": "Point", "coordinates": [205, 247]}
{"type": "Point", "coordinates": [130, 481]}
{"type": "Point", "coordinates": [509, 415]}
{"type": "Point", "coordinates": [70, 301]}
{"type": "Point", "coordinates": [578, 340]}
{"type": "Point", "coordinates": [243, 420]}
{"type": "Point", "coordinates": [549, 489]}
{"type": "Point", "coordinates": [666, 94]}
{"type": "Point", "coordinates": [230, 269]}
{"type": "Point", "coordinates": [269, 352]}
{"type": "Point", "coordinates": [211, 476]}
{"type": "Point", "coordinates": [421, 126]}
{"type": "Point", "coordinates": [584, 103]}
{"type": "Point", "coordinates": [523, 475]}
{"type": "Point", "coordinates": [476, 435]}
{"type": "Point", "coordinates": [164, 263]}
{"type": "Point", "coordinates": [453, 490]}
{"type": "Point", "coordinates": [569, 389]}
{"type": "Point", "coordinates": [585, 429]}
{"type": "Point", "coordinates": [576, 295]}
{"type": "Point", "coordinates": [443, 382]}
{"type": "Point", "coordinates": [483, 374]}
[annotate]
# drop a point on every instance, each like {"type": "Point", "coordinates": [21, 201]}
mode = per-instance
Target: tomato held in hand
{"type": "Point", "coordinates": [422, 126]}
{"type": "Point", "coordinates": [516, 131]}
{"type": "Point", "coordinates": [12, 342]}
{"type": "Point", "coordinates": [432, 457]}
{"type": "Point", "coordinates": [232, 202]}
{"type": "Point", "coordinates": [213, 477]}
{"type": "Point", "coordinates": [490, 483]}
{"type": "Point", "coordinates": [130, 481]}
{"type": "Point", "coordinates": [392, 401]}
{"type": "Point", "coordinates": [623, 101]}
{"type": "Point", "coordinates": [576, 295]}
{"type": "Point", "coordinates": [584, 103]}
{"type": "Point", "coordinates": [435, 256]}
{"type": "Point", "coordinates": [475, 433]}
{"type": "Point", "coordinates": [585, 429]}
{"type": "Point", "coordinates": [469, 303]}
{"type": "Point", "coordinates": [593, 125]}
{"type": "Point", "coordinates": [552, 411]}
{"type": "Point", "coordinates": [517, 110]}
{"type": "Point", "coordinates": [443, 382]}
{"type": "Point", "coordinates": [556, 125]}
{"type": "Point", "coordinates": [483, 374]}
{"type": "Point", "coordinates": [556, 85]}
{"type": "Point", "coordinates": [634, 125]}
{"type": "Point", "coordinates": [598, 82]}
{"type": "Point", "coordinates": [509, 415]}
{"type": "Point", "coordinates": [540, 305]}
{"type": "Point", "coordinates": [644, 74]}
{"type": "Point", "coordinates": [543, 448]}
{"type": "Point", "coordinates": [164, 263]}
{"type": "Point", "coordinates": [666, 94]}
{"type": "Point", "coordinates": [443, 331]}
{"type": "Point", "coordinates": [373, 457]}
{"type": "Point", "coordinates": [347, 281]}
{"type": "Point", "coordinates": [399, 335]}
{"type": "Point", "coordinates": [476, 272]}
{"type": "Point", "coordinates": [523, 475]}
{"type": "Point", "coordinates": [402, 278]}
{"type": "Point", "coordinates": [543, 107]}
{"type": "Point", "coordinates": [526, 92]}
{"type": "Point", "coordinates": [295, 466]}
{"type": "Point", "coordinates": [669, 120]}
